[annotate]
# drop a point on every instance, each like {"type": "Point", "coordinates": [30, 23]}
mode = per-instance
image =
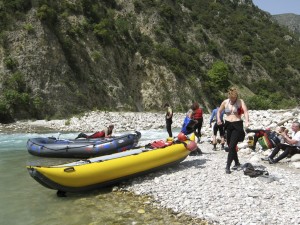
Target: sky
{"type": "Point", "coordinates": [278, 6]}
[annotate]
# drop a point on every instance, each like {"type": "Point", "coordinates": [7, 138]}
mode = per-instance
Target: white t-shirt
{"type": "Point", "coordinates": [296, 136]}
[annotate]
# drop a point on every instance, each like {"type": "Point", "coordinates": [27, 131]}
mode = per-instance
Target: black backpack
{"type": "Point", "coordinates": [250, 171]}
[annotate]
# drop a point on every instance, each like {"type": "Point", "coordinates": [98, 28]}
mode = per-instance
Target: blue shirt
{"type": "Point", "coordinates": [214, 115]}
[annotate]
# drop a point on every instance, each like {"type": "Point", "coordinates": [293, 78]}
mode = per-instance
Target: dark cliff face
{"type": "Point", "coordinates": [66, 57]}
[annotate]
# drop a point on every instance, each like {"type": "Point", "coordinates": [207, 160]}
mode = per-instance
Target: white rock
{"type": "Point", "coordinates": [296, 165]}
{"type": "Point", "coordinates": [295, 158]}
{"type": "Point", "coordinates": [255, 160]}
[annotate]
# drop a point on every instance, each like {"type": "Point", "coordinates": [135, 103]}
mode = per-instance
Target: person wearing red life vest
{"type": "Point", "coordinates": [198, 116]}
{"type": "Point", "coordinates": [106, 132]}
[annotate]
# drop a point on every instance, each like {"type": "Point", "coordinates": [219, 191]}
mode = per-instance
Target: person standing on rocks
{"type": "Point", "coordinates": [198, 116]}
{"type": "Point", "coordinates": [217, 128]}
{"type": "Point", "coordinates": [233, 108]}
{"type": "Point", "coordinates": [169, 116]}
{"type": "Point", "coordinates": [291, 145]}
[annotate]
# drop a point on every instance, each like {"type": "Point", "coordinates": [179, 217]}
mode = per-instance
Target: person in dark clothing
{"type": "Point", "coordinates": [234, 108]}
{"type": "Point", "coordinates": [198, 116]}
{"type": "Point", "coordinates": [169, 116]}
{"type": "Point", "coordinates": [106, 132]}
{"type": "Point", "coordinates": [291, 146]}
{"type": "Point", "coordinates": [217, 128]}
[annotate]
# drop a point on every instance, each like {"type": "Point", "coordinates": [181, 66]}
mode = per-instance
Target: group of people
{"type": "Point", "coordinates": [192, 123]}
{"type": "Point", "coordinates": [234, 108]}
{"type": "Point", "coordinates": [290, 145]}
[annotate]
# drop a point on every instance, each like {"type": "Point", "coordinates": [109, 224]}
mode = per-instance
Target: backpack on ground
{"type": "Point", "coordinates": [251, 171]}
{"type": "Point", "coordinates": [268, 140]}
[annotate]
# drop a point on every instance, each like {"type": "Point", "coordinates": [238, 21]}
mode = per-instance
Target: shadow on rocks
{"type": "Point", "coordinates": [197, 163]}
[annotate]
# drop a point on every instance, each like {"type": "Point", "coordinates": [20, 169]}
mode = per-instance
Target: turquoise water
{"type": "Point", "coordinates": [24, 201]}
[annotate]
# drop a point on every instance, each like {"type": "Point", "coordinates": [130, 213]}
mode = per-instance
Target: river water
{"type": "Point", "coordinates": [24, 201]}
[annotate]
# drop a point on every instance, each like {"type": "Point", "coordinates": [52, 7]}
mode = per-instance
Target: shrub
{"type": "Point", "coordinates": [10, 63]}
{"type": "Point", "coordinates": [247, 60]}
{"type": "Point", "coordinates": [28, 27]}
{"type": "Point", "coordinates": [103, 31]}
{"type": "Point", "coordinates": [218, 76]}
{"type": "Point", "coordinates": [47, 14]}
{"type": "Point", "coordinates": [96, 56]}
{"type": "Point", "coordinates": [138, 6]}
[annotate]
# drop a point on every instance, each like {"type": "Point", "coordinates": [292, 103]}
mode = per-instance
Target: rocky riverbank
{"type": "Point", "coordinates": [199, 186]}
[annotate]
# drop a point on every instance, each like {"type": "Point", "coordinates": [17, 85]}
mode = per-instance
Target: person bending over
{"type": "Point", "coordinates": [106, 132]}
{"type": "Point", "coordinates": [290, 147]}
{"type": "Point", "coordinates": [188, 123]}
{"type": "Point", "coordinates": [234, 108]}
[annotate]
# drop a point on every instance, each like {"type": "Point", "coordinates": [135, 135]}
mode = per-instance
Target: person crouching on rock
{"type": "Point", "coordinates": [106, 132]}
{"type": "Point", "coordinates": [234, 108]}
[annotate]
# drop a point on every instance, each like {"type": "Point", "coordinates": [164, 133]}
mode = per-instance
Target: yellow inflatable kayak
{"type": "Point", "coordinates": [102, 171]}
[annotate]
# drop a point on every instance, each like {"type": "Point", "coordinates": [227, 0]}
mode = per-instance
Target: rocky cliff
{"type": "Point", "coordinates": [289, 20]}
{"type": "Point", "coordinates": [66, 57]}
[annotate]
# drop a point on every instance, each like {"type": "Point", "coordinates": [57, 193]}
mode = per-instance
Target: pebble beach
{"type": "Point", "coordinates": [198, 186]}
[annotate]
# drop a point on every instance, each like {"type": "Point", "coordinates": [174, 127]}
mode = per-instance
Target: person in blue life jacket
{"type": "Point", "coordinates": [188, 123]}
{"type": "Point", "coordinates": [188, 127]}
{"type": "Point", "coordinates": [217, 128]}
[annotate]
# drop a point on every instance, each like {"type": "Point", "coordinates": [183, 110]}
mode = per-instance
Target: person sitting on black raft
{"type": "Point", "coordinates": [106, 132]}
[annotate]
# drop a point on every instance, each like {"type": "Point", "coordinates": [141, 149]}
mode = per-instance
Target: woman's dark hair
{"type": "Point", "coordinates": [195, 105]}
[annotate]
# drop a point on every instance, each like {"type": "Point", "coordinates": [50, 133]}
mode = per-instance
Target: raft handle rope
{"type": "Point", "coordinates": [56, 150]}
{"type": "Point", "coordinates": [69, 169]}
{"type": "Point", "coordinates": [86, 160]}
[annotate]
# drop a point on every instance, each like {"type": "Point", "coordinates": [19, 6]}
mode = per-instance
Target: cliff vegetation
{"type": "Point", "coordinates": [59, 58]}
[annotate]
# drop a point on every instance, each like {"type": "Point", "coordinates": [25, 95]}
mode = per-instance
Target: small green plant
{"type": "Point", "coordinates": [247, 60]}
{"type": "Point", "coordinates": [96, 56]}
{"type": "Point", "coordinates": [28, 27]}
{"type": "Point", "coordinates": [103, 31]}
{"type": "Point", "coordinates": [68, 122]}
{"type": "Point", "coordinates": [47, 14]}
{"type": "Point", "coordinates": [10, 63]}
{"type": "Point", "coordinates": [138, 6]}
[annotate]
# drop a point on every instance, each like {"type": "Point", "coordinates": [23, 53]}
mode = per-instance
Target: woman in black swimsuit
{"type": "Point", "coordinates": [234, 108]}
